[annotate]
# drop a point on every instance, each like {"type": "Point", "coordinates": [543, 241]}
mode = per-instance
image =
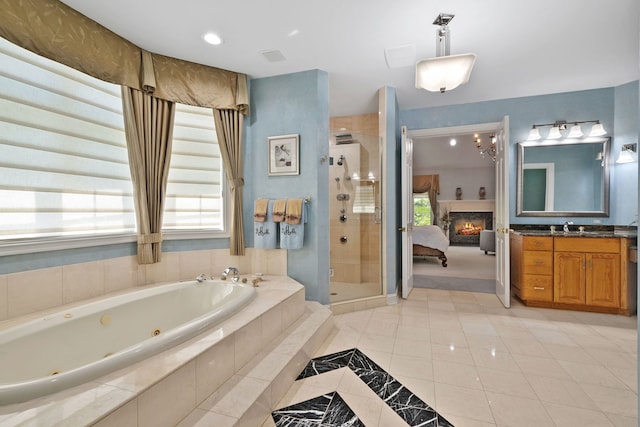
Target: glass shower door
{"type": "Point", "coordinates": [355, 219]}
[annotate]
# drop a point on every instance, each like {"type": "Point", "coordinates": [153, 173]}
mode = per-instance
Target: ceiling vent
{"type": "Point", "coordinates": [273, 55]}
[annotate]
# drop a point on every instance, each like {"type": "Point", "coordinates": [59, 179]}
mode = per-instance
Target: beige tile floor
{"type": "Point", "coordinates": [479, 364]}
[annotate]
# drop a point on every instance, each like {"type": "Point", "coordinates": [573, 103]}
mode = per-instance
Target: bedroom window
{"type": "Point", "coordinates": [421, 210]}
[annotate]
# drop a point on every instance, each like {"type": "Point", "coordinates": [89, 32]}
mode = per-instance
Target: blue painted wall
{"type": "Point", "coordinates": [624, 196]}
{"type": "Point", "coordinates": [606, 105]}
{"type": "Point", "coordinates": [298, 103]}
{"type": "Point", "coordinates": [293, 104]}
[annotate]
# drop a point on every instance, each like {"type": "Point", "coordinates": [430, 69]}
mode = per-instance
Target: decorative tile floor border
{"type": "Point", "coordinates": [331, 410]}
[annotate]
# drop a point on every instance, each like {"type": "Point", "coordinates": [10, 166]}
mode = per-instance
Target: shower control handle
{"type": "Point", "coordinates": [343, 239]}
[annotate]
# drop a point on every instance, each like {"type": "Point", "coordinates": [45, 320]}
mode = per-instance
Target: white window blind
{"type": "Point", "coordinates": [194, 189]}
{"type": "Point", "coordinates": [63, 159]}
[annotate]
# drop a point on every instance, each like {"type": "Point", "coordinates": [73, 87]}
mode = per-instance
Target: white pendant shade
{"type": "Point", "coordinates": [575, 132]}
{"type": "Point", "coordinates": [626, 156]}
{"type": "Point", "coordinates": [444, 72]}
{"type": "Point", "coordinates": [554, 133]}
{"type": "Point", "coordinates": [534, 134]}
{"type": "Point", "coordinates": [597, 130]}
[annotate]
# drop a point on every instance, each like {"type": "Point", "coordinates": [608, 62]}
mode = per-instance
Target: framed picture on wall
{"type": "Point", "coordinates": [284, 155]}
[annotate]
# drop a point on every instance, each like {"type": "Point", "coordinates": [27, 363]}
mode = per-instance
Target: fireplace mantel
{"type": "Point", "coordinates": [467, 205]}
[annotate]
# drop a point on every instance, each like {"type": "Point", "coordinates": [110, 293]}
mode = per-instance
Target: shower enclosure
{"type": "Point", "coordinates": [354, 209]}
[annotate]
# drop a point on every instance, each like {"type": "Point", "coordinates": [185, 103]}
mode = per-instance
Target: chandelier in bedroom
{"type": "Point", "coordinates": [488, 150]}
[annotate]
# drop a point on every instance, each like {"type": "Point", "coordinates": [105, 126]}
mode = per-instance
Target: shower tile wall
{"type": "Point", "coordinates": [345, 257]}
{"type": "Point", "coordinates": [366, 268]}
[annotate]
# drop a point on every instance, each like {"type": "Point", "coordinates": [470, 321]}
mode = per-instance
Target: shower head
{"type": "Point", "coordinates": [340, 160]}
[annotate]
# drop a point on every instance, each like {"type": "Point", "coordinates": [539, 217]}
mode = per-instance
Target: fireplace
{"type": "Point", "coordinates": [465, 227]}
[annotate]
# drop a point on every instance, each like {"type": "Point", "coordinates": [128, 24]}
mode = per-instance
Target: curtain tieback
{"type": "Point", "coordinates": [145, 239]}
{"type": "Point", "coordinates": [236, 183]}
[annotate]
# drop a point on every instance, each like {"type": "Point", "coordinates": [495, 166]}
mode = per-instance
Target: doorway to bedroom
{"type": "Point", "coordinates": [461, 192]}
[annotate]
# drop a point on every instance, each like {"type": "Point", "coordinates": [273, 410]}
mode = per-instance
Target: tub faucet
{"type": "Point", "coordinates": [235, 274]}
{"type": "Point", "coordinates": [565, 228]}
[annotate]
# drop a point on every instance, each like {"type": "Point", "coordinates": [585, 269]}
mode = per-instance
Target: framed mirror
{"type": "Point", "coordinates": [563, 178]}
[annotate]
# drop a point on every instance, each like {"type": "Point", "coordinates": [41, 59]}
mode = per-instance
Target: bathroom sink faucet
{"type": "Point", "coordinates": [233, 272]}
{"type": "Point", "coordinates": [565, 228]}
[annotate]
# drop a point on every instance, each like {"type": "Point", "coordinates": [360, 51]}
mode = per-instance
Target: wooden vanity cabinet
{"type": "Point", "coordinates": [581, 273]}
{"type": "Point", "coordinates": [532, 267]}
{"type": "Point", "coordinates": [587, 273]}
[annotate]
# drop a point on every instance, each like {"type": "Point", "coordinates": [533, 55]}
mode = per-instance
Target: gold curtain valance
{"type": "Point", "coordinates": [426, 183]}
{"type": "Point", "coordinates": [54, 30]}
{"type": "Point", "coordinates": [196, 84]}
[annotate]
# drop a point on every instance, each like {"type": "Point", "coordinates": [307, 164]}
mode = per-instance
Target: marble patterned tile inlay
{"type": "Point", "coordinates": [328, 410]}
{"type": "Point", "coordinates": [407, 405]}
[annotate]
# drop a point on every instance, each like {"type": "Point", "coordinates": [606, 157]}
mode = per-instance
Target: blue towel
{"type": "Point", "coordinates": [265, 234]}
{"type": "Point", "coordinates": [292, 235]}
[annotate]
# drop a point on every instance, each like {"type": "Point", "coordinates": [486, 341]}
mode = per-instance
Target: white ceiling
{"type": "Point", "coordinates": [436, 153]}
{"type": "Point", "coordinates": [524, 47]}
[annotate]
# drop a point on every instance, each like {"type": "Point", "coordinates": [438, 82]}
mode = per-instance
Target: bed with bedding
{"type": "Point", "coordinates": [430, 241]}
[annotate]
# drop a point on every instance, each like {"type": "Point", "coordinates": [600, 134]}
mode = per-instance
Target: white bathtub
{"type": "Point", "coordinates": [72, 347]}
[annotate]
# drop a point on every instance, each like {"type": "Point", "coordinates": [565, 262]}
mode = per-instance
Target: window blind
{"type": "Point", "coordinates": [194, 189]}
{"type": "Point", "coordinates": [63, 158]}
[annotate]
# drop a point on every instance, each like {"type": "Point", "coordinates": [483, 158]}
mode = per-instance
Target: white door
{"type": "Point", "coordinates": [502, 213]}
{"type": "Point", "coordinates": [406, 226]}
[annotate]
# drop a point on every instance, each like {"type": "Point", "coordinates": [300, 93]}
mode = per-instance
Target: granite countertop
{"type": "Point", "coordinates": [586, 233]}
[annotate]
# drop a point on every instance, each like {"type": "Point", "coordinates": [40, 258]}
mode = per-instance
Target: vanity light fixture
{"type": "Point", "coordinates": [444, 72]}
{"type": "Point", "coordinates": [627, 153]}
{"type": "Point", "coordinates": [560, 125]}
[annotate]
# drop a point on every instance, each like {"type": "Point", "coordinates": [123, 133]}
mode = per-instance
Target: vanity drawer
{"type": "Point", "coordinates": [588, 244]}
{"type": "Point", "coordinates": [538, 262]}
{"type": "Point", "coordinates": [537, 243]}
{"type": "Point", "coordinates": [535, 287]}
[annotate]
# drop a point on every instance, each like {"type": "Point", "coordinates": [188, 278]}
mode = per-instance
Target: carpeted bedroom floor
{"type": "Point", "coordinates": [468, 269]}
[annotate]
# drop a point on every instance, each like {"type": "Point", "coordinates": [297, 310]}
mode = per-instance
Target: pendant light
{"type": "Point", "coordinates": [444, 72]}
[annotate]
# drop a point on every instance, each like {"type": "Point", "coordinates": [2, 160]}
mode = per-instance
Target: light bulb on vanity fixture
{"type": "Point", "coordinates": [557, 127]}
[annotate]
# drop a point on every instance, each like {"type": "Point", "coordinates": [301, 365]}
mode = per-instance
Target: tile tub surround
{"type": "Point", "coordinates": [168, 386]}
{"type": "Point", "coordinates": [479, 364]}
{"type": "Point", "coordinates": [32, 291]}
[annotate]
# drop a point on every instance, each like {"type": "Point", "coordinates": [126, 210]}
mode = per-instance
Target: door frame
{"type": "Point", "coordinates": [462, 129]}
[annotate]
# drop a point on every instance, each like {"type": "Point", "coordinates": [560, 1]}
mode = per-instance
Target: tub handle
{"type": "Point", "coordinates": [235, 274]}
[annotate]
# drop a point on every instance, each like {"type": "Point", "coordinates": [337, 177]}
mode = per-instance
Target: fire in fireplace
{"type": "Point", "coordinates": [466, 227]}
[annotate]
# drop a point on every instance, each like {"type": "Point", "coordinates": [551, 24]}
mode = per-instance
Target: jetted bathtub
{"type": "Point", "coordinates": [78, 345]}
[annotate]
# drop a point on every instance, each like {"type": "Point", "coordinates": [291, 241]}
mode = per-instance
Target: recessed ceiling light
{"type": "Point", "coordinates": [453, 142]}
{"type": "Point", "coordinates": [213, 39]}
